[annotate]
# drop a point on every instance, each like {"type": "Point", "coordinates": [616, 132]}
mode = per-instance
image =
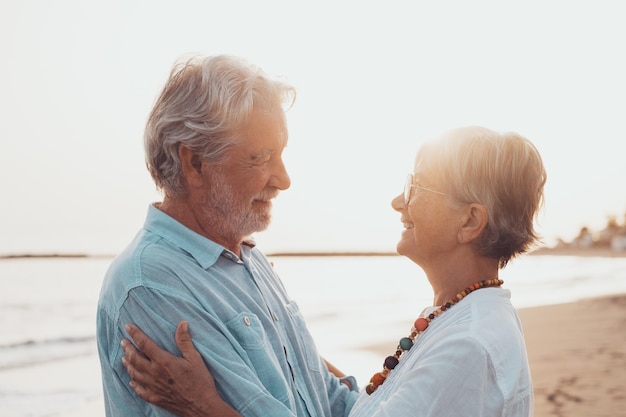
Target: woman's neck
{"type": "Point", "coordinates": [454, 277]}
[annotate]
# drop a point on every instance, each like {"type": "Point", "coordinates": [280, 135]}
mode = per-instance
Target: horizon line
{"type": "Point", "coordinates": [544, 250]}
{"type": "Point", "coordinates": [35, 255]}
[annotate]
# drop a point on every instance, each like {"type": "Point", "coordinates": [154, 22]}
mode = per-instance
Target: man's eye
{"type": "Point", "coordinates": [261, 160]}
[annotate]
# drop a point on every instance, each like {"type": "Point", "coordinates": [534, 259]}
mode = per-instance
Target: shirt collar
{"type": "Point", "coordinates": [203, 250]}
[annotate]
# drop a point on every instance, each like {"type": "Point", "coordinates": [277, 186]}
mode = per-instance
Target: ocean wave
{"type": "Point", "coordinates": [35, 352]}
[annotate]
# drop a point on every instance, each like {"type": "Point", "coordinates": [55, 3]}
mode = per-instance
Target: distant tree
{"type": "Point", "coordinates": [612, 223]}
{"type": "Point", "coordinates": [561, 243]}
{"type": "Point", "coordinates": [584, 231]}
{"type": "Point", "coordinates": [584, 238]}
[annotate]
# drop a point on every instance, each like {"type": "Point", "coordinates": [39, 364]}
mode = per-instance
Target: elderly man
{"type": "Point", "coordinates": [214, 143]}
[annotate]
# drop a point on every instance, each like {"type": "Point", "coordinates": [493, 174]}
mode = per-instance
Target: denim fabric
{"type": "Point", "coordinates": [250, 334]}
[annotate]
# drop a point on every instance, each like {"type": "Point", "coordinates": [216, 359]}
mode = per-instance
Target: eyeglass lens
{"type": "Point", "coordinates": [408, 188]}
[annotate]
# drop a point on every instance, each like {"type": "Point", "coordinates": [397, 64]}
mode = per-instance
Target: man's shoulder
{"type": "Point", "coordinates": [141, 262]}
{"type": "Point", "coordinates": [144, 256]}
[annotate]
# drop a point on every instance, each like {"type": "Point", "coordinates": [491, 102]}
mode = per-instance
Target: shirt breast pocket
{"type": "Point", "coordinates": [247, 329]}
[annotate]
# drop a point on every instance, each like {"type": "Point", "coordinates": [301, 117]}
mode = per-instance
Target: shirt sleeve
{"type": "Point", "coordinates": [227, 349]}
{"type": "Point", "coordinates": [457, 379]}
{"type": "Point", "coordinates": [341, 397]}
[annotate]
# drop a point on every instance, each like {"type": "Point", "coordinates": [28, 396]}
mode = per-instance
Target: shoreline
{"type": "Point", "coordinates": [604, 252]}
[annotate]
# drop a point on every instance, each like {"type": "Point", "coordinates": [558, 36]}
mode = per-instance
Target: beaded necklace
{"type": "Point", "coordinates": [419, 326]}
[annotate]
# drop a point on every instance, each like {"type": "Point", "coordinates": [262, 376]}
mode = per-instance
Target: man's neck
{"type": "Point", "coordinates": [180, 210]}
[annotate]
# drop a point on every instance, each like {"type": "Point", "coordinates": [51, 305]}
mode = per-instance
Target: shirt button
{"type": "Point", "coordinates": [275, 316]}
{"type": "Point", "coordinates": [246, 320]}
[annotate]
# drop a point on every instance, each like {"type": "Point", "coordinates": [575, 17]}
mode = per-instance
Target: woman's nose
{"type": "Point", "coordinates": [398, 202]}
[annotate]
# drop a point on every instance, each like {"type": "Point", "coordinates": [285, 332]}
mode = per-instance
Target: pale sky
{"type": "Point", "coordinates": [374, 80]}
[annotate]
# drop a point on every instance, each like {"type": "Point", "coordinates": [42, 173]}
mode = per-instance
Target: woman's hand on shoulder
{"type": "Point", "coordinates": [181, 385]}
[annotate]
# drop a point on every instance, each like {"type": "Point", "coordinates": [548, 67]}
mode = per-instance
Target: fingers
{"type": "Point", "coordinates": [146, 379]}
{"type": "Point", "coordinates": [146, 394]}
{"type": "Point", "coordinates": [135, 356]}
{"type": "Point", "coordinates": [133, 360]}
{"type": "Point", "coordinates": [183, 338]}
{"type": "Point", "coordinates": [144, 343]}
{"type": "Point", "coordinates": [138, 360]}
{"type": "Point", "coordinates": [184, 342]}
{"type": "Point", "coordinates": [139, 390]}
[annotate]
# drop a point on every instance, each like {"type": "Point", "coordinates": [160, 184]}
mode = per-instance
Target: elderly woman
{"type": "Point", "coordinates": [468, 208]}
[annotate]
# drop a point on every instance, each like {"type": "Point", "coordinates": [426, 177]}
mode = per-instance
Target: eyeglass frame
{"type": "Point", "coordinates": [410, 184]}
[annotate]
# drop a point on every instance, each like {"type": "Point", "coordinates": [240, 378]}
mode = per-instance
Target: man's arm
{"type": "Point", "coordinates": [158, 313]}
{"type": "Point", "coordinates": [181, 385]}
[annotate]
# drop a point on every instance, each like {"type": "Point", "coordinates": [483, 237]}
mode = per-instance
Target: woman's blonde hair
{"type": "Point", "coordinates": [501, 171]}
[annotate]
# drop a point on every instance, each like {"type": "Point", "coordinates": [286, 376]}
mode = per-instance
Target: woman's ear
{"type": "Point", "coordinates": [475, 219]}
{"type": "Point", "coordinates": [192, 166]}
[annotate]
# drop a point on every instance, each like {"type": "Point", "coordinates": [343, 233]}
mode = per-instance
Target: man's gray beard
{"type": "Point", "coordinates": [230, 218]}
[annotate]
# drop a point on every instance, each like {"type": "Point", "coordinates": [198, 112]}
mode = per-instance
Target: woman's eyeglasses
{"type": "Point", "coordinates": [410, 184]}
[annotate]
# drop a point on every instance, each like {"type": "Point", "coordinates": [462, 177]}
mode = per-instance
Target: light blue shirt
{"type": "Point", "coordinates": [250, 334]}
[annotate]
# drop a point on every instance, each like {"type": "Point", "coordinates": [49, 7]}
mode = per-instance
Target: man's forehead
{"type": "Point", "coordinates": [259, 149]}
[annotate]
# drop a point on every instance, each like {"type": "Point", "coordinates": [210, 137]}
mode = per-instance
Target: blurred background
{"type": "Point", "coordinates": [374, 81]}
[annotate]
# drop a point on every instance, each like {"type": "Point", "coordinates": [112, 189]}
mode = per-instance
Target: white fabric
{"type": "Point", "coordinates": [471, 361]}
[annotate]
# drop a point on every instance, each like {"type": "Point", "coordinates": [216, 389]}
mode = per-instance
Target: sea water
{"type": "Point", "coordinates": [48, 359]}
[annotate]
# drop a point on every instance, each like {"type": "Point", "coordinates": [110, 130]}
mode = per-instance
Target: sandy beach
{"type": "Point", "coordinates": [577, 354]}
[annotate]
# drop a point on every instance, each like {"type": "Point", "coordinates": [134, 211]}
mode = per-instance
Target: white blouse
{"type": "Point", "coordinates": [471, 361]}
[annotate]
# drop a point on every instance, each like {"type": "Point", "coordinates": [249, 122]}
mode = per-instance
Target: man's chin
{"type": "Point", "coordinates": [260, 223]}
{"type": "Point", "coordinates": [264, 223]}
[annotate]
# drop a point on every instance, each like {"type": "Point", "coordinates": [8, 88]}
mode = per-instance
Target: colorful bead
{"type": "Point", "coordinates": [420, 325]}
{"type": "Point", "coordinates": [390, 362]}
{"type": "Point", "coordinates": [377, 379]}
{"type": "Point", "coordinates": [406, 343]}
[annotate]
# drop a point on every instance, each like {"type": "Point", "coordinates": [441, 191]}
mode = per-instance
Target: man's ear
{"type": "Point", "coordinates": [192, 166]}
{"type": "Point", "coordinates": [475, 219]}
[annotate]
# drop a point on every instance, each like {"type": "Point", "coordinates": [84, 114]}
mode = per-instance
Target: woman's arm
{"type": "Point", "coordinates": [181, 385]}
